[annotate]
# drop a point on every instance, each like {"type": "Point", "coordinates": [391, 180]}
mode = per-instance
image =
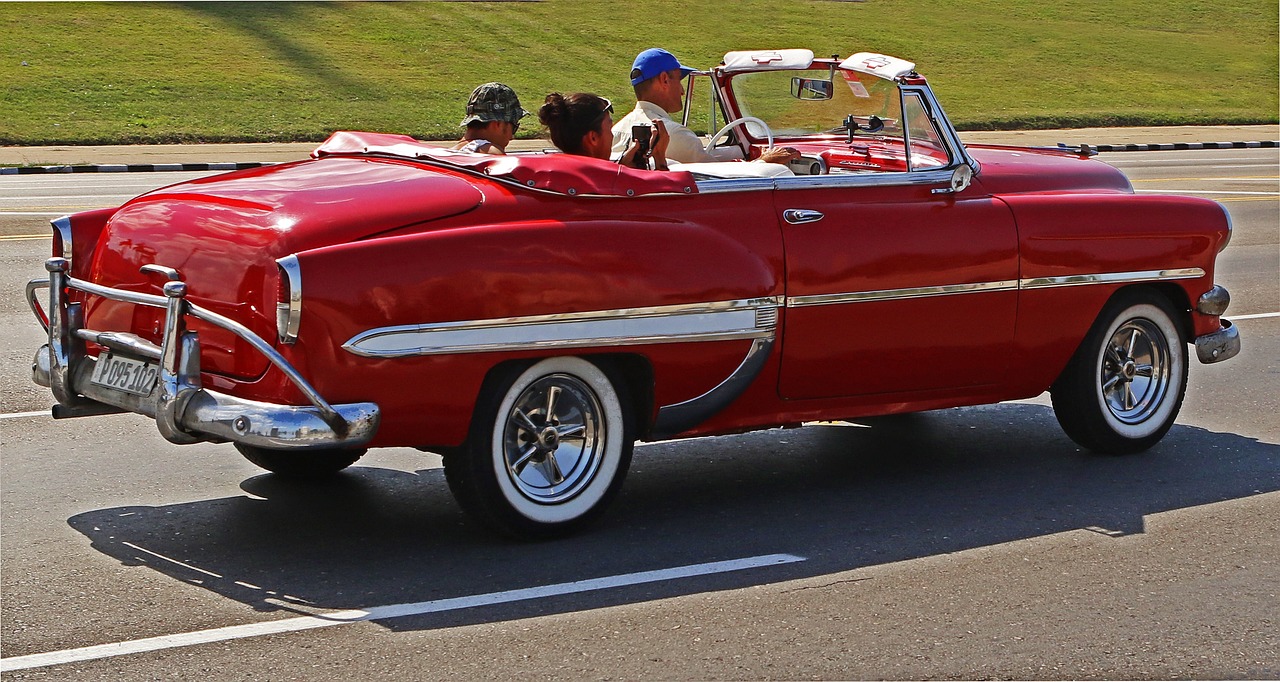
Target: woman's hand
{"type": "Point", "coordinates": [658, 143]}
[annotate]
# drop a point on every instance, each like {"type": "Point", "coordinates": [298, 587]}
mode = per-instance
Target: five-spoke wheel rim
{"type": "Point", "coordinates": [552, 439]}
{"type": "Point", "coordinates": [1135, 372]}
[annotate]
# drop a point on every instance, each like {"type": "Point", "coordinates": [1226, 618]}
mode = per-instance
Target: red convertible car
{"type": "Point", "coordinates": [531, 316]}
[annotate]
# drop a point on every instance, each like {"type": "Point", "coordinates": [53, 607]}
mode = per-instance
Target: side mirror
{"type": "Point", "coordinates": [960, 179]}
{"type": "Point", "coordinates": [811, 88]}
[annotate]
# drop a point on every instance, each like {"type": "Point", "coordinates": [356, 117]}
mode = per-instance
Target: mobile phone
{"type": "Point", "coordinates": [641, 133]}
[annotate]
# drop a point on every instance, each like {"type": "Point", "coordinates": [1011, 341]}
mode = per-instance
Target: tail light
{"type": "Point", "coordinates": [288, 299]}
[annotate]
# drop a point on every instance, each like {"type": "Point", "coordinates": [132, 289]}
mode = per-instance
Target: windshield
{"type": "Point", "coordinates": [767, 95]}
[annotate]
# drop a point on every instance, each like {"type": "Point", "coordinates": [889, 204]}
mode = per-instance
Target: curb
{"type": "Point", "coordinates": [156, 167]}
{"type": "Point", "coordinates": [133, 168]}
{"type": "Point", "coordinates": [1180, 146]}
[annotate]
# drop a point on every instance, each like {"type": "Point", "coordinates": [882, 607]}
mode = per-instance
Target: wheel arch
{"type": "Point", "coordinates": [1171, 292]}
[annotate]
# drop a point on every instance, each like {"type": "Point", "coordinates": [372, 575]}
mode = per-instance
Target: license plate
{"type": "Point", "coordinates": [125, 374]}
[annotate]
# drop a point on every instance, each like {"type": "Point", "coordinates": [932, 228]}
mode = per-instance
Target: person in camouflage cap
{"type": "Point", "coordinates": [493, 117]}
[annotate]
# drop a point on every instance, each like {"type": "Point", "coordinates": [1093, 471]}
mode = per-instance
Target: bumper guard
{"type": "Point", "coordinates": [184, 411]}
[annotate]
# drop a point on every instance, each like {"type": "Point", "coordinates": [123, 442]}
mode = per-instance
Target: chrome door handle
{"type": "Point", "coordinates": [798, 216]}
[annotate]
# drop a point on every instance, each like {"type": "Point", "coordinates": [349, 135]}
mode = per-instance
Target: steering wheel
{"type": "Point", "coordinates": [737, 122]}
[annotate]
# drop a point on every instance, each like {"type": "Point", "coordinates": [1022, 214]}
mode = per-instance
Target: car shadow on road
{"type": "Point", "coordinates": [842, 496]}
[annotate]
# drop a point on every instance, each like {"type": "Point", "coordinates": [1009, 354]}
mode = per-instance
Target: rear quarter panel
{"type": "Point", "coordinates": [525, 254]}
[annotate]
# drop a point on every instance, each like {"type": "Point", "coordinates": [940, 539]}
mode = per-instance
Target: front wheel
{"type": "Point", "coordinates": [549, 448]}
{"type": "Point", "coordinates": [1122, 390]}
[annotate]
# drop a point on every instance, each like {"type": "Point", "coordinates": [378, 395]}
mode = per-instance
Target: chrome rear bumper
{"type": "Point", "coordinates": [184, 411]}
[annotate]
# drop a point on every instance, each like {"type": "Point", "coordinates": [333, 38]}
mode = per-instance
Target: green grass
{"type": "Point", "coordinates": [106, 73]}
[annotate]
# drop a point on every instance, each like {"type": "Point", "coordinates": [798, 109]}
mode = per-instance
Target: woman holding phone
{"type": "Point", "coordinates": [581, 123]}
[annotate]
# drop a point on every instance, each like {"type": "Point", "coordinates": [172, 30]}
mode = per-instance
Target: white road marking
{"type": "Point", "coordinates": [57, 213]}
{"type": "Point", "coordinates": [68, 196]}
{"type": "Point", "coordinates": [1258, 316]}
{"type": "Point", "coordinates": [26, 415]}
{"type": "Point", "coordinates": [383, 612]}
{"type": "Point", "coordinates": [1185, 160]}
{"type": "Point", "coordinates": [1201, 191]}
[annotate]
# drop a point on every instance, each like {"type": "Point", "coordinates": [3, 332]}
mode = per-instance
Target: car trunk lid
{"type": "Point", "coordinates": [224, 233]}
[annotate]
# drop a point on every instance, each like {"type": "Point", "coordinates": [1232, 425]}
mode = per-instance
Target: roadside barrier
{"type": "Point", "coordinates": [154, 167]}
{"type": "Point", "coordinates": [132, 168]}
{"type": "Point", "coordinates": [1180, 146]}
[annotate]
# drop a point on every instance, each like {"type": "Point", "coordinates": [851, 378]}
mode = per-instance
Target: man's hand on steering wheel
{"type": "Point", "coordinates": [783, 155]}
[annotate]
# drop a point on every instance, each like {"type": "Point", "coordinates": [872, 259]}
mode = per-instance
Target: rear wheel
{"type": "Point", "coordinates": [301, 463]}
{"type": "Point", "coordinates": [549, 448]}
{"type": "Point", "coordinates": [1123, 388]}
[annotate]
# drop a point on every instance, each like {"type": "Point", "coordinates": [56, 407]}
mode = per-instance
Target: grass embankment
{"type": "Point", "coordinates": [103, 73]}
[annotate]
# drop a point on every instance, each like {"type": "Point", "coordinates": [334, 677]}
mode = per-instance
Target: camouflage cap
{"type": "Point", "coordinates": [494, 102]}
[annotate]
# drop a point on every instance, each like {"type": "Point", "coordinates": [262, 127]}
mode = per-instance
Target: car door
{"type": "Point", "coordinates": [892, 289]}
{"type": "Point", "coordinates": [896, 284]}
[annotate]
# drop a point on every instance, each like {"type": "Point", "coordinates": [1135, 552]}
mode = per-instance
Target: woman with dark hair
{"type": "Point", "coordinates": [582, 123]}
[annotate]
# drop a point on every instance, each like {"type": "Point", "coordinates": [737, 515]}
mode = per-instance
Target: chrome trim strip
{"type": "Point", "coordinates": [896, 294]}
{"type": "Point", "coordinates": [712, 321]}
{"type": "Point", "coordinates": [829, 181]}
{"type": "Point", "coordinates": [1111, 278]}
{"type": "Point", "coordinates": [871, 179]}
{"type": "Point", "coordinates": [680, 417]}
{"type": "Point", "coordinates": [63, 227]}
{"type": "Point", "coordinates": [289, 313]}
{"type": "Point", "coordinates": [959, 151]}
{"type": "Point", "coordinates": [1003, 285]}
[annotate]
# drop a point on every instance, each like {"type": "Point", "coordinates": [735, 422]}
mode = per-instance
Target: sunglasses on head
{"type": "Point", "coordinates": [607, 109]}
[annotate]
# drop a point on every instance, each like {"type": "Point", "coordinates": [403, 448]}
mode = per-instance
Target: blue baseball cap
{"type": "Point", "coordinates": [654, 61]}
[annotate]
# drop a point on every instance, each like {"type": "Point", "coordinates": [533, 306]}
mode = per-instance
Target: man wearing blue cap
{"type": "Point", "coordinates": [656, 76]}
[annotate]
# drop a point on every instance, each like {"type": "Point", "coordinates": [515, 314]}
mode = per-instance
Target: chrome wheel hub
{"type": "Point", "coordinates": [553, 439]}
{"type": "Point", "coordinates": [1135, 372]}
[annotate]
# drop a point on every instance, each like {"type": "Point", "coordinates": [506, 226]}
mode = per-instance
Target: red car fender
{"type": "Point", "coordinates": [1077, 250]}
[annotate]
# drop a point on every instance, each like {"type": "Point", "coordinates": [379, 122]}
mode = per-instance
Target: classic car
{"type": "Point", "coordinates": [531, 316]}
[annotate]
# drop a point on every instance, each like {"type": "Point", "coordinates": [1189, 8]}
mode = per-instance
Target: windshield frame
{"type": "Point", "coordinates": [910, 84]}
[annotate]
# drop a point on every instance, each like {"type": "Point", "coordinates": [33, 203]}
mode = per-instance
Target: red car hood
{"type": "Point", "coordinates": [1014, 170]}
{"type": "Point", "coordinates": [224, 233]}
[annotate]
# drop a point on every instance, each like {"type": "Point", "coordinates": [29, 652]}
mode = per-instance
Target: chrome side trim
{"type": "Point", "coordinates": [1230, 228]}
{"type": "Point", "coordinates": [289, 313]}
{"type": "Point", "coordinates": [1111, 278]}
{"type": "Point", "coordinates": [896, 294]}
{"type": "Point", "coordinates": [673, 419]}
{"type": "Point", "coordinates": [63, 227]}
{"type": "Point", "coordinates": [829, 181]}
{"type": "Point", "coordinates": [712, 321]}
{"type": "Point", "coordinates": [1002, 285]}
{"type": "Point", "coordinates": [871, 179]}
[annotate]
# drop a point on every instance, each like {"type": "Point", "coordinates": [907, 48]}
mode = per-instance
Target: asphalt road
{"type": "Point", "coordinates": [965, 543]}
